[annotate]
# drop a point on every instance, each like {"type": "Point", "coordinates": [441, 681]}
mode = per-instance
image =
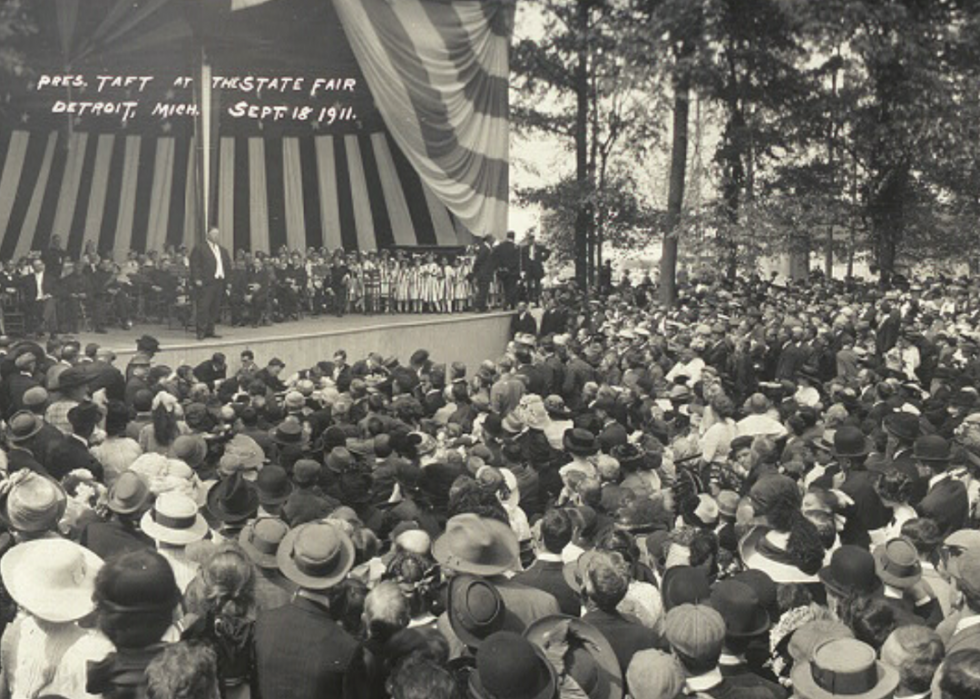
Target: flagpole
{"type": "Point", "coordinates": [203, 127]}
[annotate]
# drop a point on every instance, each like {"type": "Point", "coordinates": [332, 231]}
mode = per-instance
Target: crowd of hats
{"type": "Point", "coordinates": [771, 483]}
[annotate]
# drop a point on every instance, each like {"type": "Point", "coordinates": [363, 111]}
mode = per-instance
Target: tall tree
{"type": "Point", "coordinates": [578, 82]}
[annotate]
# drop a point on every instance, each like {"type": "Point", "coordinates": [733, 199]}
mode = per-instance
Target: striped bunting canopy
{"type": "Point", "coordinates": [438, 71]}
{"type": "Point", "coordinates": [124, 192]}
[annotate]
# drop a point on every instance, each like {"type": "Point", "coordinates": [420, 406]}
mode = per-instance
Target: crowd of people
{"type": "Point", "coordinates": [57, 294]}
{"type": "Point", "coordinates": [757, 493]}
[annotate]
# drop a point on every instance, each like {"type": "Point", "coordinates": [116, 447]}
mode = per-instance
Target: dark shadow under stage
{"type": "Point", "coordinates": [465, 337]}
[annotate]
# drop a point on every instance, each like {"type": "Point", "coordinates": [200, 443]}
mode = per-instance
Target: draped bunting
{"type": "Point", "coordinates": [423, 163]}
{"type": "Point", "coordinates": [438, 72]}
{"type": "Point", "coordinates": [121, 192]}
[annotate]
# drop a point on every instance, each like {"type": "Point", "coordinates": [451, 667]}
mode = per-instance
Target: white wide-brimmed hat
{"type": "Point", "coordinates": [53, 579]}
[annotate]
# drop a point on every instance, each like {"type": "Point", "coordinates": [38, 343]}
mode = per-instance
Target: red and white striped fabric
{"type": "Point", "coordinates": [126, 192]}
{"type": "Point", "coordinates": [438, 72]}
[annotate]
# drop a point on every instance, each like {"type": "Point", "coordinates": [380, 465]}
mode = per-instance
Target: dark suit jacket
{"type": "Point", "coordinates": [626, 636]}
{"type": "Point", "coordinates": [534, 267]}
{"type": "Point", "coordinates": [18, 459]}
{"type": "Point", "coordinates": [948, 503]}
{"type": "Point", "coordinates": [70, 455]}
{"type": "Point", "coordinates": [553, 321]}
{"type": "Point", "coordinates": [49, 285]}
{"type": "Point", "coordinates": [507, 258]}
{"type": "Point", "coordinates": [547, 576]}
{"type": "Point", "coordinates": [204, 264]}
{"type": "Point", "coordinates": [301, 653]}
{"type": "Point", "coordinates": [113, 537]}
{"type": "Point", "coordinates": [523, 324]}
{"type": "Point", "coordinates": [483, 263]}
{"type": "Point", "coordinates": [14, 388]}
{"type": "Point", "coordinates": [207, 373]}
{"type": "Point", "coordinates": [44, 443]}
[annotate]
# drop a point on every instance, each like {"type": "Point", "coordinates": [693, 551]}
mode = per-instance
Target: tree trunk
{"type": "Point", "coordinates": [888, 218]}
{"type": "Point", "coordinates": [584, 215]}
{"type": "Point", "coordinates": [675, 194]}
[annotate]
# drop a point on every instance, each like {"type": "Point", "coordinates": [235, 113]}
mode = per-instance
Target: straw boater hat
{"type": "Point", "coordinates": [174, 520]}
{"type": "Point", "coordinates": [30, 502]}
{"type": "Point", "coordinates": [844, 667]}
{"type": "Point", "coordinates": [53, 579]}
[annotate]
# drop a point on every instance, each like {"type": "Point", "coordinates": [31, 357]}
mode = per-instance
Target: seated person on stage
{"type": "Point", "coordinates": [259, 282]}
{"type": "Point", "coordinates": [238, 290]}
{"type": "Point", "coordinates": [287, 291]}
{"type": "Point", "coordinates": [322, 298]}
{"type": "Point", "coordinates": [73, 292]}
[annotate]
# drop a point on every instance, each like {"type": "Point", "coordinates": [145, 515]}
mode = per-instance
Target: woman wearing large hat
{"type": "Point", "coordinates": [44, 651]}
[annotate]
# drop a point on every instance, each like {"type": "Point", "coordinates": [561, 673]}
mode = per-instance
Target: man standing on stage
{"type": "Point", "coordinates": [507, 263]}
{"type": "Point", "coordinates": [210, 266]}
{"type": "Point", "coordinates": [482, 272]}
{"type": "Point", "coordinates": [533, 257]}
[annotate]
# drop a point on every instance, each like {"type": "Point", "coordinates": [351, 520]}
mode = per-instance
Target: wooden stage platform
{"type": "Point", "coordinates": [465, 337]}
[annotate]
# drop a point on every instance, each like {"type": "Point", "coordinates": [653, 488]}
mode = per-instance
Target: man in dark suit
{"type": "Point", "coordinates": [507, 265]}
{"type": "Point", "coordinates": [533, 257]}
{"type": "Point", "coordinates": [48, 436]}
{"type": "Point", "coordinates": [73, 453]}
{"type": "Point", "coordinates": [546, 571]}
{"type": "Point", "coordinates": [21, 429]}
{"type": "Point", "coordinates": [555, 317]}
{"type": "Point", "coordinates": [300, 651]}
{"type": "Point", "coordinates": [482, 272]}
{"type": "Point", "coordinates": [210, 267]}
{"type": "Point", "coordinates": [604, 585]}
{"type": "Point", "coordinates": [523, 321]}
{"type": "Point", "coordinates": [16, 385]}
{"type": "Point", "coordinates": [40, 303]}
{"type": "Point", "coordinates": [890, 324]}
{"type": "Point", "coordinates": [212, 370]}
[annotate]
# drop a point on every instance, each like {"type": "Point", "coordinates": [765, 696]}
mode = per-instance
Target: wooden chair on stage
{"type": "Point", "coordinates": [12, 318]}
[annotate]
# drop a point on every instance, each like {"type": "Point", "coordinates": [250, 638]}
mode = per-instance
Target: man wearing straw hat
{"type": "Point", "coordinates": [300, 651]}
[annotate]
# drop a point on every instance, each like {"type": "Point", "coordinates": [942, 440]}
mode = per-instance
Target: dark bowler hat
{"type": "Point", "coordinates": [684, 585]}
{"type": "Point", "coordinates": [273, 485]}
{"type": "Point", "coordinates": [932, 447]}
{"type": "Point", "coordinates": [904, 426]}
{"type": "Point", "coordinates": [851, 569]}
{"type": "Point", "coordinates": [147, 343]}
{"type": "Point", "coordinates": [739, 606]}
{"type": "Point", "coordinates": [508, 665]}
{"type": "Point", "coordinates": [850, 442]}
{"type": "Point", "coordinates": [580, 442]}
{"type": "Point", "coordinates": [289, 433]}
{"type": "Point", "coordinates": [475, 609]}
